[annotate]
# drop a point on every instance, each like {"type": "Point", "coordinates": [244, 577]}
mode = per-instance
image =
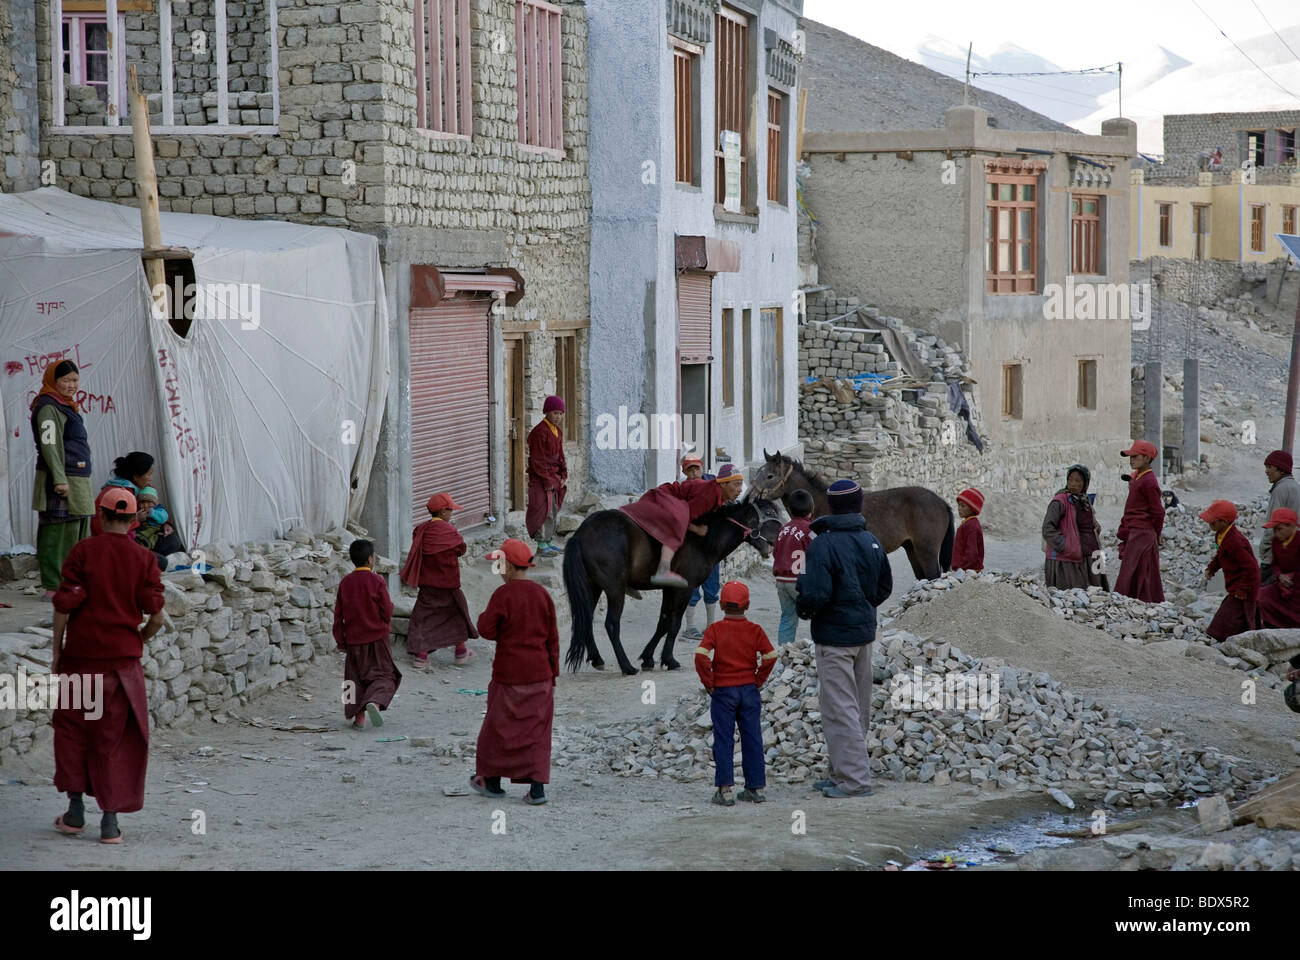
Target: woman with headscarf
{"type": "Point", "coordinates": [1071, 536]}
{"type": "Point", "coordinates": [134, 472]}
{"type": "Point", "coordinates": [61, 497]}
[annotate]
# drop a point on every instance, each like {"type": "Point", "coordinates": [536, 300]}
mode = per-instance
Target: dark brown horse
{"type": "Point", "coordinates": [609, 553]}
{"type": "Point", "coordinates": [914, 518]}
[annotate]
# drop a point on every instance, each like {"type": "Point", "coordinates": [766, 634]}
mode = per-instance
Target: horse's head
{"type": "Point", "coordinates": [770, 480]}
{"type": "Point", "coordinates": [759, 522]}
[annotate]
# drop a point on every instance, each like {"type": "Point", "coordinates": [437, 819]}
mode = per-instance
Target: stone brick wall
{"type": "Point", "coordinates": [1200, 281]}
{"type": "Point", "coordinates": [255, 620]}
{"type": "Point", "coordinates": [18, 117]}
{"type": "Point", "coordinates": [1186, 135]}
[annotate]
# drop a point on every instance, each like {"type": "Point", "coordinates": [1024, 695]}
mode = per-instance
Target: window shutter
{"type": "Point", "coordinates": [695, 316]}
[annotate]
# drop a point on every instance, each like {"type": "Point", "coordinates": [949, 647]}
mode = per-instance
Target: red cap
{"type": "Point", "coordinates": [118, 500]}
{"type": "Point", "coordinates": [691, 458]}
{"type": "Point", "coordinates": [1279, 460]}
{"type": "Point", "coordinates": [972, 498]}
{"type": "Point", "coordinates": [1142, 447]}
{"type": "Point", "coordinates": [1283, 515]}
{"type": "Point", "coordinates": [442, 501]}
{"type": "Point", "coordinates": [1220, 510]}
{"type": "Point", "coordinates": [515, 552]}
{"type": "Point", "coordinates": [733, 591]}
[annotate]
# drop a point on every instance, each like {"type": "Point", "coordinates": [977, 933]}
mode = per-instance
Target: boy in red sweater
{"type": "Point", "coordinates": [968, 544]}
{"type": "Point", "coordinates": [788, 560]}
{"type": "Point", "coordinates": [1140, 528]}
{"type": "Point", "coordinates": [362, 615]}
{"type": "Point", "coordinates": [440, 617]}
{"type": "Point", "coordinates": [1239, 611]}
{"type": "Point", "coordinates": [515, 740]}
{"type": "Point", "coordinates": [742, 659]}
{"type": "Point", "coordinates": [109, 584]}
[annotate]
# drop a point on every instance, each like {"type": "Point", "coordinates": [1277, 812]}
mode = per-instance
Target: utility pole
{"type": "Point", "coordinates": [965, 94]}
{"type": "Point", "coordinates": [146, 188]}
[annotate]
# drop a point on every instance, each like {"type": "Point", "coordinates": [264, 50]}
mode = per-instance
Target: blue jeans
{"type": "Point", "coordinates": [711, 586]}
{"type": "Point", "coordinates": [729, 706]}
{"type": "Point", "coordinates": [786, 593]}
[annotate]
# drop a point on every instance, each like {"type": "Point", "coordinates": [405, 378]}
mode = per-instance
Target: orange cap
{"type": "Point", "coordinates": [1142, 447]}
{"type": "Point", "coordinates": [1283, 515]}
{"type": "Point", "coordinates": [733, 591]}
{"type": "Point", "coordinates": [442, 501]}
{"type": "Point", "coordinates": [1220, 510]}
{"type": "Point", "coordinates": [118, 500]}
{"type": "Point", "coordinates": [515, 552]}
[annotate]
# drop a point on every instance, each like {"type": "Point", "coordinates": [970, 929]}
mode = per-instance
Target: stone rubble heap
{"type": "Point", "coordinates": [1169, 623]}
{"type": "Point", "coordinates": [254, 619]}
{"type": "Point", "coordinates": [1035, 735]}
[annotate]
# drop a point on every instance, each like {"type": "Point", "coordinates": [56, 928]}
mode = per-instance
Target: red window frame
{"type": "Point", "coordinates": [538, 80]}
{"type": "Point", "coordinates": [1011, 227]}
{"type": "Point", "coordinates": [684, 63]}
{"type": "Point", "coordinates": [1085, 233]}
{"type": "Point", "coordinates": [731, 97]}
{"type": "Point", "coordinates": [1288, 219]}
{"type": "Point", "coordinates": [775, 111]}
{"type": "Point", "coordinates": [1257, 228]}
{"type": "Point", "coordinates": [442, 67]}
{"type": "Point", "coordinates": [1166, 211]}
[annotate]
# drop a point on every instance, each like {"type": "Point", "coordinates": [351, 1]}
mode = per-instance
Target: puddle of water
{"type": "Point", "coordinates": [1008, 842]}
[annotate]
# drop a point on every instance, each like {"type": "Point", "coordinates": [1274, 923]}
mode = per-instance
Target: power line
{"type": "Point", "coordinates": [1039, 83]}
{"type": "Point", "coordinates": [1243, 52]}
{"type": "Point", "coordinates": [1087, 71]}
{"type": "Point", "coordinates": [1274, 29]}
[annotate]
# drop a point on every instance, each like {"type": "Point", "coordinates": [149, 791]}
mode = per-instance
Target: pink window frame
{"type": "Point", "coordinates": [77, 23]}
{"type": "Point", "coordinates": [538, 79]}
{"type": "Point", "coordinates": [445, 107]}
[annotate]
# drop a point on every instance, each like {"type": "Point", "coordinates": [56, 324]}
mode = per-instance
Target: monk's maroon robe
{"type": "Point", "coordinates": [1139, 534]}
{"type": "Point", "coordinates": [547, 475]}
{"type": "Point", "coordinates": [1239, 611]}
{"type": "Point", "coordinates": [666, 511]}
{"type": "Point", "coordinates": [362, 624]}
{"type": "Point", "coordinates": [1279, 602]}
{"type": "Point", "coordinates": [441, 616]}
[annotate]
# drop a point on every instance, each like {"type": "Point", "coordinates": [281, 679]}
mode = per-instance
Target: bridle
{"type": "Point", "coordinates": [763, 491]}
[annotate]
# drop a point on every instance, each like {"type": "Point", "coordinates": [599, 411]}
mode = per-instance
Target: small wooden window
{"type": "Point", "coordinates": [773, 381]}
{"type": "Point", "coordinates": [1254, 148]}
{"type": "Point", "coordinates": [1012, 390]}
{"type": "Point", "coordinates": [1085, 235]}
{"type": "Point", "coordinates": [1087, 384]}
{"type": "Point", "coordinates": [684, 67]}
{"type": "Point", "coordinates": [566, 380]}
{"type": "Point", "coordinates": [1288, 220]}
{"type": "Point", "coordinates": [1011, 233]}
{"type": "Point", "coordinates": [1166, 224]}
{"type": "Point", "coordinates": [728, 357]}
{"type": "Point", "coordinates": [731, 97]}
{"type": "Point", "coordinates": [442, 73]}
{"type": "Point", "coordinates": [1257, 228]}
{"type": "Point", "coordinates": [537, 74]}
{"type": "Point", "coordinates": [775, 151]}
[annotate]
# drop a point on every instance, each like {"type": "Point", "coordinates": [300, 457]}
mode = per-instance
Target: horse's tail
{"type": "Point", "coordinates": [945, 549]}
{"type": "Point", "coordinates": [580, 602]}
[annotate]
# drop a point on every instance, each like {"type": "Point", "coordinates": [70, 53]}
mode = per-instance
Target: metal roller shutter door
{"type": "Point", "coordinates": [450, 408]}
{"type": "Point", "coordinates": [695, 317]}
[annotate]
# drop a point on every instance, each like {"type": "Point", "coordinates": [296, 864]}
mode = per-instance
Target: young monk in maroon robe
{"type": "Point", "coordinates": [670, 509]}
{"type": "Point", "coordinates": [109, 585]}
{"type": "Point", "coordinates": [1239, 611]}
{"type": "Point", "coordinates": [1279, 602]}
{"type": "Point", "coordinates": [968, 543]}
{"type": "Point", "coordinates": [547, 474]}
{"type": "Point", "coordinates": [363, 616]}
{"type": "Point", "coordinates": [1140, 528]}
{"type": "Point", "coordinates": [515, 740]}
{"type": "Point", "coordinates": [441, 615]}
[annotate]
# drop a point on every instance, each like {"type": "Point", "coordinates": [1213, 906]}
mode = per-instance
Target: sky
{"type": "Point", "coordinates": [1070, 36]}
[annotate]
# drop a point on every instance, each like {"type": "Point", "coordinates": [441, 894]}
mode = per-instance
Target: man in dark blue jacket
{"type": "Point", "coordinates": [846, 576]}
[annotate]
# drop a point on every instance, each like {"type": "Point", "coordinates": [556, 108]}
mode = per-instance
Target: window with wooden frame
{"type": "Point", "coordinates": [1166, 224]}
{"type": "Point", "coordinates": [1254, 148]}
{"type": "Point", "coordinates": [728, 357]}
{"type": "Point", "coordinates": [1085, 234]}
{"type": "Point", "coordinates": [85, 53]}
{"type": "Point", "coordinates": [1012, 390]}
{"type": "Point", "coordinates": [1288, 220]}
{"type": "Point", "coordinates": [537, 75]}
{"type": "Point", "coordinates": [566, 380]}
{"type": "Point", "coordinates": [1011, 233]}
{"type": "Point", "coordinates": [1087, 393]}
{"type": "Point", "coordinates": [442, 67]}
{"type": "Point", "coordinates": [731, 97]}
{"type": "Point", "coordinates": [1256, 228]}
{"type": "Point", "coordinates": [775, 146]}
{"type": "Point", "coordinates": [772, 332]}
{"type": "Point", "coordinates": [686, 61]}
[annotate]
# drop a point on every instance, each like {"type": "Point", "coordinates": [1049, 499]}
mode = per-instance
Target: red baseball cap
{"type": "Point", "coordinates": [515, 552]}
{"type": "Point", "coordinates": [972, 498]}
{"type": "Point", "coordinates": [1142, 447]}
{"type": "Point", "coordinates": [1282, 515]}
{"type": "Point", "coordinates": [442, 501]}
{"type": "Point", "coordinates": [118, 500]}
{"type": "Point", "coordinates": [1220, 510]}
{"type": "Point", "coordinates": [733, 591]}
{"type": "Point", "coordinates": [691, 458]}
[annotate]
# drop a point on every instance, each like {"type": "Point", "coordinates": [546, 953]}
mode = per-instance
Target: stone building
{"type": "Point", "coordinates": [1007, 241]}
{"type": "Point", "coordinates": [455, 131]}
{"type": "Point", "coordinates": [1228, 184]}
{"type": "Point", "coordinates": [694, 262]}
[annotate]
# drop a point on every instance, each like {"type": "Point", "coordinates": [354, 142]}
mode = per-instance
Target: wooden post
{"type": "Point", "coordinates": [803, 107]}
{"type": "Point", "coordinates": [146, 188]}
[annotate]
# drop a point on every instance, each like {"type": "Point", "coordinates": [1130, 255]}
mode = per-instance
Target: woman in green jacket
{"type": "Point", "coordinates": [62, 494]}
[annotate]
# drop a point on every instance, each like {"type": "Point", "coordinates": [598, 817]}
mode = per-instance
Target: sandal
{"type": "Point", "coordinates": [67, 828]}
{"type": "Point", "coordinates": [117, 839]}
{"type": "Point", "coordinates": [376, 718]}
{"type": "Point", "coordinates": [668, 579]}
{"type": "Point", "coordinates": [466, 657]}
{"type": "Point", "coordinates": [478, 786]}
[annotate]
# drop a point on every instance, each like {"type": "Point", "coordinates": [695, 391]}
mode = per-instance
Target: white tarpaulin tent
{"type": "Point", "coordinates": [260, 421]}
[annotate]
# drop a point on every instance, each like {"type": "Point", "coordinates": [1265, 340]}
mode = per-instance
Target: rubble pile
{"type": "Point", "coordinates": [974, 721]}
{"type": "Point", "coordinates": [238, 622]}
{"type": "Point", "coordinates": [1128, 619]}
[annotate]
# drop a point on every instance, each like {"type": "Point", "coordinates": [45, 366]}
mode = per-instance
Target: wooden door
{"type": "Point", "coordinates": [515, 427]}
